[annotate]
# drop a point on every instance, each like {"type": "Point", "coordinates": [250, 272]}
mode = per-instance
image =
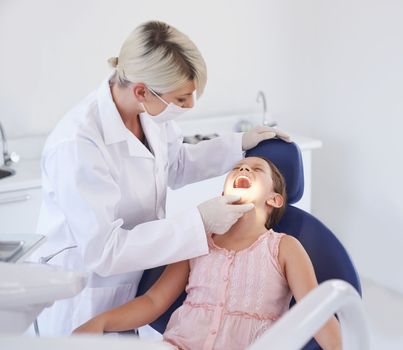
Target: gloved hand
{"type": "Point", "coordinates": [259, 133]}
{"type": "Point", "coordinates": [219, 214]}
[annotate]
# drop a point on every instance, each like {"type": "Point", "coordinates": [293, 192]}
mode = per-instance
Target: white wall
{"type": "Point", "coordinates": [331, 69]}
{"type": "Point", "coordinates": [358, 113]}
{"type": "Point", "coordinates": [53, 53]}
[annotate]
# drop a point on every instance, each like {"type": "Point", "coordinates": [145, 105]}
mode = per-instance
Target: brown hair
{"type": "Point", "coordinates": [279, 186]}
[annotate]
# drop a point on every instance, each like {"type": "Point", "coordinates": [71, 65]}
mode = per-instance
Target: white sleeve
{"type": "Point", "coordinates": [88, 196]}
{"type": "Point", "coordinates": [207, 159]}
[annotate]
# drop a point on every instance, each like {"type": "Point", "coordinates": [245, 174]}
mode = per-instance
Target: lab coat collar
{"type": "Point", "coordinates": [153, 133]}
{"type": "Point", "coordinates": [115, 131]}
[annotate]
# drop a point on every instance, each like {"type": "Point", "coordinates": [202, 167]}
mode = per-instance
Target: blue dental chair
{"type": "Point", "coordinates": [328, 256]}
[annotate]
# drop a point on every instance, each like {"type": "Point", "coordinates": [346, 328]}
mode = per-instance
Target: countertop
{"type": "Point", "coordinates": [31, 242]}
{"type": "Point", "coordinates": [28, 173]}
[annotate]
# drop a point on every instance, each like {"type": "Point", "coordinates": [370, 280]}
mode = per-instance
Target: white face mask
{"type": "Point", "coordinates": [171, 111]}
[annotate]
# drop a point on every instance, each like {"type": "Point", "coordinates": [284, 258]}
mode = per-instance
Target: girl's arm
{"type": "Point", "coordinates": [299, 272]}
{"type": "Point", "coordinates": [144, 309]}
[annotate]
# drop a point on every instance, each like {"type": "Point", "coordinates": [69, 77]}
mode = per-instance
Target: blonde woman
{"type": "Point", "coordinates": [106, 168]}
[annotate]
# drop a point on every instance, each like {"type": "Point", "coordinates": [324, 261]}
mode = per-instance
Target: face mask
{"type": "Point", "coordinates": [171, 111]}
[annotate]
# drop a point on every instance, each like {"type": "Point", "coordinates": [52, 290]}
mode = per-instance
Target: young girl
{"type": "Point", "coordinates": [244, 284]}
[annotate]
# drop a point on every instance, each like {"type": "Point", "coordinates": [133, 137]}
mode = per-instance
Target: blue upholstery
{"type": "Point", "coordinates": [288, 159]}
{"type": "Point", "coordinates": [147, 280]}
{"type": "Point", "coordinates": [328, 256]}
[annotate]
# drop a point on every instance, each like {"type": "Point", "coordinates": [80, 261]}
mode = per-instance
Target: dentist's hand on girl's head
{"type": "Point", "coordinates": [252, 137]}
{"type": "Point", "coordinates": [220, 213]}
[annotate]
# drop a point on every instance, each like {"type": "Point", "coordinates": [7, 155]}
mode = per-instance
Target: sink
{"type": "Point", "coordinates": [199, 137]}
{"type": "Point", "coordinates": [27, 288]}
{"type": "Point", "coordinates": [5, 172]}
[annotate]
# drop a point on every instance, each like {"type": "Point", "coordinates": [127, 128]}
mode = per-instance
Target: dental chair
{"type": "Point", "coordinates": [328, 256]}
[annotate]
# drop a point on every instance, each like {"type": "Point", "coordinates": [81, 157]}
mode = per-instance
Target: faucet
{"type": "Point", "coordinates": [7, 158]}
{"type": "Point", "coordinates": [266, 122]}
{"type": "Point", "coordinates": [245, 125]}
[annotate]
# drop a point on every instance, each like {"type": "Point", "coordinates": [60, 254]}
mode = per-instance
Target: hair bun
{"type": "Point", "coordinates": [113, 61]}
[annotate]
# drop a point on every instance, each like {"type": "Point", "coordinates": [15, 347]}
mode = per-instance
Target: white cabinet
{"type": "Point", "coordinates": [21, 197]}
{"type": "Point", "coordinates": [19, 210]}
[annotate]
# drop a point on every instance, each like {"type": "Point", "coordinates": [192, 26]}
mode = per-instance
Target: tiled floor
{"type": "Point", "coordinates": [384, 310]}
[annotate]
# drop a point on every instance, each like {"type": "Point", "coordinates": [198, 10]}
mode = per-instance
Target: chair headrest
{"type": "Point", "coordinates": [287, 158]}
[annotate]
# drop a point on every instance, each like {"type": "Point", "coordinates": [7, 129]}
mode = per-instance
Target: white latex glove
{"type": "Point", "coordinates": [259, 133]}
{"type": "Point", "coordinates": [219, 214]}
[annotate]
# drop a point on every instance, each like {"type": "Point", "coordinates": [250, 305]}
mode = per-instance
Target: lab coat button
{"type": "Point", "coordinates": [213, 332]}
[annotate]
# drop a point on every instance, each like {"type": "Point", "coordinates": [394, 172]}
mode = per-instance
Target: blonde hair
{"type": "Point", "coordinates": [161, 57]}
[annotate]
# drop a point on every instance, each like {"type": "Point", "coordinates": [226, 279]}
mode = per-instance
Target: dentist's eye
{"type": "Point", "coordinates": [181, 100]}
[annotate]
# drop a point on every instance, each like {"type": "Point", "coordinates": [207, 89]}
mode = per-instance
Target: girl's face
{"type": "Point", "coordinates": [251, 179]}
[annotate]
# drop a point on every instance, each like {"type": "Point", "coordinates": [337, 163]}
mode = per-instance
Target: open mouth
{"type": "Point", "coordinates": [242, 181]}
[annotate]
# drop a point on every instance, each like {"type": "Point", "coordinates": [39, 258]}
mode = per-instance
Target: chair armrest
{"type": "Point", "coordinates": [294, 329]}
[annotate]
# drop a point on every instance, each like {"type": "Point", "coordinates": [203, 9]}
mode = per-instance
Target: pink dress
{"type": "Point", "coordinates": [233, 297]}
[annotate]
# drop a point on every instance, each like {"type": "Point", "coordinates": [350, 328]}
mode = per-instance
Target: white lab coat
{"type": "Point", "coordinates": [105, 192]}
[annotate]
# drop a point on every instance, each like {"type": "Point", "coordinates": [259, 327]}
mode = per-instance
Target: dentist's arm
{"type": "Point", "coordinates": [86, 194]}
{"type": "Point", "coordinates": [144, 309]}
{"type": "Point", "coordinates": [192, 163]}
{"type": "Point", "coordinates": [300, 274]}
{"type": "Point", "coordinates": [210, 158]}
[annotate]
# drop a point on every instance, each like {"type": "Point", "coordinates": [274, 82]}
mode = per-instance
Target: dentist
{"type": "Point", "coordinates": [106, 168]}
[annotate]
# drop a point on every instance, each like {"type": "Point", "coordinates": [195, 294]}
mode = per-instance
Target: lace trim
{"type": "Point", "coordinates": [263, 317]}
{"type": "Point", "coordinates": [200, 305]}
{"type": "Point", "coordinates": [255, 316]}
{"type": "Point", "coordinates": [212, 244]}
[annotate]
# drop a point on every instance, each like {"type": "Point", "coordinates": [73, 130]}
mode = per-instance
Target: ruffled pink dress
{"type": "Point", "coordinates": [233, 297]}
